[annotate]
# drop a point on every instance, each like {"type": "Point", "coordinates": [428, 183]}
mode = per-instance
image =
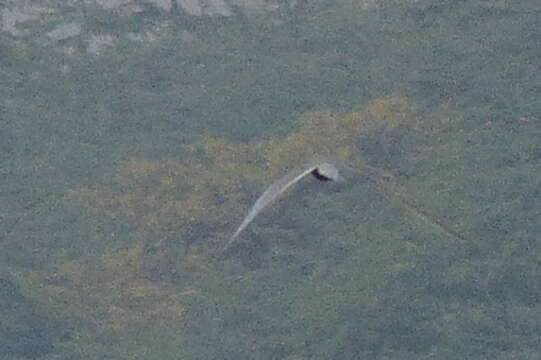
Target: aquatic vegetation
{"type": "Point", "coordinates": [392, 111]}
{"type": "Point", "coordinates": [333, 135]}
{"type": "Point", "coordinates": [108, 294]}
{"type": "Point", "coordinates": [207, 186]}
{"type": "Point", "coordinates": [383, 243]}
{"type": "Point", "coordinates": [192, 200]}
{"type": "Point", "coordinates": [196, 198]}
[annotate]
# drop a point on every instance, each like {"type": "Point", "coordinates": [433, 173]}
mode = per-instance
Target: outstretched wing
{"type": "Point", "coordinates": [272, 193]}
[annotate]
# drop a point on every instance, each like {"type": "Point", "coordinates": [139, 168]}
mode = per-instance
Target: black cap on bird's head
{"type": "Point", "coordinates": [325, 172]}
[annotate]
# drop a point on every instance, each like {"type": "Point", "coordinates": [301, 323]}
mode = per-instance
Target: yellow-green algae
{"type": "Point", "coordinates": [209, 185]}
{"type": "Point", "coordinates": [119, 290]}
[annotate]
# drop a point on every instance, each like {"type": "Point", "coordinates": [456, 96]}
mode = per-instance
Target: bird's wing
{"type": "Point", "coordinates": [272, 193]}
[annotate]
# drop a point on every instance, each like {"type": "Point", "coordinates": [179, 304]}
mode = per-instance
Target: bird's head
{"type": "Point", "coordinates": [326, 172]}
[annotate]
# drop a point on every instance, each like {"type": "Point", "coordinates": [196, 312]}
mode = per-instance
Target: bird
{"type": "Point", "coordinates": [322, 170]}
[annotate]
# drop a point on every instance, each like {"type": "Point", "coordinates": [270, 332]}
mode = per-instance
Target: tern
{"type": "Point", "coordinates": [321, 170]}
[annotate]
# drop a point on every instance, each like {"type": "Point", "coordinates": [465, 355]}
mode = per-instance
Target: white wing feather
{"type": "Point", "coordinates": [272, 193]}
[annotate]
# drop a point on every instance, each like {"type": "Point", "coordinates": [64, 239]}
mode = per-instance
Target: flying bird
{"type": "Point", "coordinates": [321, 170]}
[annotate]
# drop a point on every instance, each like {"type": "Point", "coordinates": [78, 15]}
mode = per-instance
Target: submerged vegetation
{"type": "Point", "coordinates": [370, 279]}
{"type": "Point", "coordinates": [125, 171]}
{"type": "Point", "coordinates": [208, 189]}
{"type": "Point", "coordinates": [179, 211]}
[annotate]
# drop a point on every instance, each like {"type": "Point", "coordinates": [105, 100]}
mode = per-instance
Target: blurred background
{"type": "Point", "coordinates": [136, 134]}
